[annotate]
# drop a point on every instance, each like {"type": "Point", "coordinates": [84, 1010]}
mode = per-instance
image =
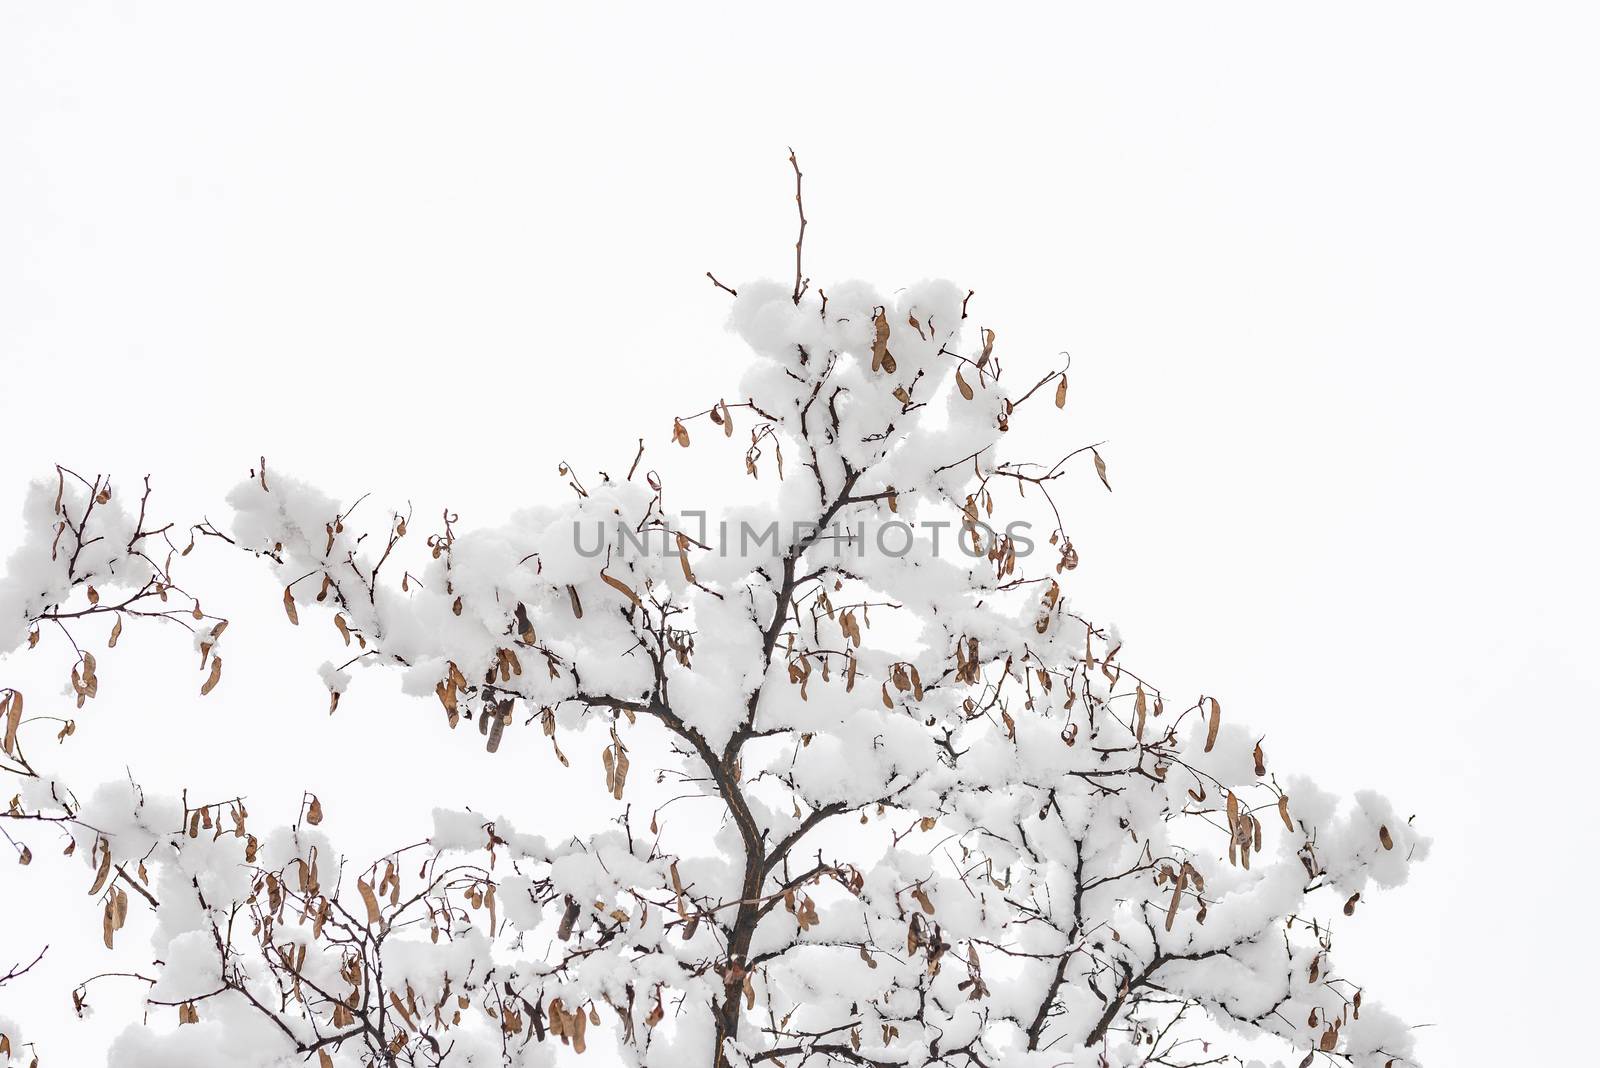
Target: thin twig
{"type": "Point", "coordinates": [800, 282]}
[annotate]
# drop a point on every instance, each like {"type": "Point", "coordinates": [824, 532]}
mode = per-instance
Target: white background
{"type": "Point", "coordinates": [1327, 276]}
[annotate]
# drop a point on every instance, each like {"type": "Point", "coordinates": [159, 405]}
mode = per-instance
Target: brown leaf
{"type": "Point", "coordinates": [314, 811]}
{"type": "Point", "coordinates": [620, 586]}
{"type": "Point", "coordinates": [683, 559]}
{"type": "Point", "coordinates": [13, 720]}
{"type": "Point", "coordinates": [1215, 724]}
{"type": "Point", "coordinates": [961, 384]}
{"type": "Point", "coordinates": [215, 676]}
{"type": "Point", "coordinates": [622, 774]}
{"type": "Point", "coordinates": [1100, 468]}
{"type": "Point", "coordinates": [1061, 392]}
{"type": "Point", "coordinates": [1172, 906]}
{"type": "Point", "coordinates": [400, 1009]}
{"type": "Point", "coordinates": [104, 870]}
{"type": "Point", "coordinates": [288, 606]}
{"type": "Point", "coordinates": [880, 341]}
{"type": "Point", "coordinates": [374, 915]}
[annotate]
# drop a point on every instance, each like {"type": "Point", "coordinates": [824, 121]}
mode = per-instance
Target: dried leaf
{"type": "Point", "coordinates": [618, 585]}
{"type": "Point", "coordinates": [880, 340]}
{"type": "Point", "coordinates": [13, 720]}
{"type": "Point", "coordinates": [215, 676]}
{"type": "Point", "coordinates": [374, 915]}
{"type": "Point", "coordinates": [104, 871]}
{"type": "Point", "coordinates": [1100, 468]}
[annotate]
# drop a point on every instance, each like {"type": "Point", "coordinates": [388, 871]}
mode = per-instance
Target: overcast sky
{"type": "Point", "coordinates": [1327, 276]}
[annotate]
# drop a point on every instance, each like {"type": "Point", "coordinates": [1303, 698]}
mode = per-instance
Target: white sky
{"type": "Point", "coordinates": [1327, 276]}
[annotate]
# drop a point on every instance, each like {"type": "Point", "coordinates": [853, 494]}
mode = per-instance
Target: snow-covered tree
{"type": "Point", "coordinates": [903, 806]}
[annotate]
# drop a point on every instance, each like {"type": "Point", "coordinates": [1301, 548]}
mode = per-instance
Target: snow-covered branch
{"type": "Point", "coordinates": [937, 820]}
